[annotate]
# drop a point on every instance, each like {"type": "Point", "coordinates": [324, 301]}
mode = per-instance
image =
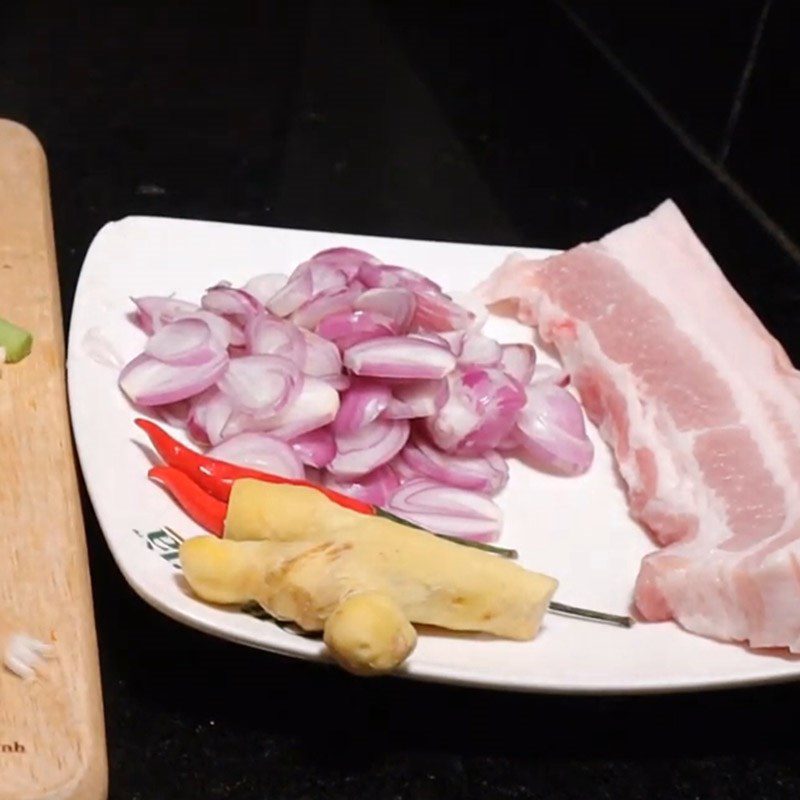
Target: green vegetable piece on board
{"type": "Point", "coordinates": [15, 341]}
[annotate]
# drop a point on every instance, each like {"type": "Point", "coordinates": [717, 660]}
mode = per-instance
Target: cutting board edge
{"type": "Point", "coordinates": [90, 780]}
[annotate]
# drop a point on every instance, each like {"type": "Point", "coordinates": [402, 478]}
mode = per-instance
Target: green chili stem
{"type": "Point", "coordinates": [505, 552]}
{"type": "Point", "coordinates": [593, 616]}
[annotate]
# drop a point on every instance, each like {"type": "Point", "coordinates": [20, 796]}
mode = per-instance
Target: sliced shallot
{"type": "Point", "coordinates": [368, 448]}
{"type": "Point", "coordinates": [473, 304]}
{"type": "Point", "coordinates": [293, 294]}
{"type": "Point", "coordinates": [311, 313]}
{"type": "Point", "coordinates": [455, 340]}
{"type": "Point", "coordinates": [315, 448]}
{"type": "Point", "coordinates": [487, 473]}
{"type": "Point", "coordinates": [433, 338]}
{"type": "Point", "coordinates": [479, 350]}
{"type": "Point", "coordinates": [509, 442]}
{"type": "Point", "coordinates": [348, 328]}
{"type": "Point", "coordinates": [267, 335]}
{"type": "Point", "coordinates": [499, 399]}
{"type": "Point", "coordinates": [230, 302]}
{"type": "Point", "coordinates": [208, 416]}
{"type": "Point", "coordinates": [185, 341]}
{"type": "Point", "coordinates": [177, 413]}
{"type": "Point", "coordinates": [361, 404]}
{"type": "Point", "coordinates": [457, 418]}
{"type": "Point", "coordinates": [322, 357]}
{"type": "Point", "coordinates": [416, 399]}
{"type": "Point", "coordinates": [396, 304]}
{"type": "Point", "coordinates": [223, 330]}
{"type": "Point", "coordinates": [480, 411]}
{"type": "Point", "coordinates": [403, 471]}
{"type": "Point", "coordinates": [447, 509]}
{"type": "Point", "coordinates": [261, 385]}
{"type": "Point", "coordinates": [518, 361]}
{"type": "Point", "coordinates": [154, 312]}
{"type": "Point", "coordinates": [375, 487]}
{"type": "Point", "coordinates": [349, 256]}
{"type": "Point", "coordinates": [330, 272]}
{"type": "Point", "coordinates": [552, 430]}
{"type": "Point", "coordinates": [262, 452]}
{"type": "Point", "coordinates": [314, 475]}
{"type": "Point", "coordinates": [320, 275]}
{"type": "Point", "coordinates": [263, 287]}
{"type": "Point", "coordinates": [339, 382]}
{"type": "Point", "coordinates": [437, 312]}
{"type": "Point", "coordinates": [388, 276]}
{"type": "Point", "coordinates": [149, 382]}
{"type": "Point", "coordinates": [328, 368]}
{"type": "Point", "coordinates": [315, 406]}
{"type": "Point", "coordinates": [399, 357]}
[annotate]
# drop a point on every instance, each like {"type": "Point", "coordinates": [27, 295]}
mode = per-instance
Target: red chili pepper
{"type": "Point", "coordinates": [217, 477]}
{"type": "Point", "coordinates": [205, 510]}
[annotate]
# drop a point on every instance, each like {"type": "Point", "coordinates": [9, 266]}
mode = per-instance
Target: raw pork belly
{"type": "Point", "coordinates": [702, 409]}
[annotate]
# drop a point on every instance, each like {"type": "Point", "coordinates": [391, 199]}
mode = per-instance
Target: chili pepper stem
{"type": "Point", "coordinates": [205, 502]}
{"type": "Point", "coordinates": [505, 552]}
{"type": "Point", "coordinates": [591, 615]}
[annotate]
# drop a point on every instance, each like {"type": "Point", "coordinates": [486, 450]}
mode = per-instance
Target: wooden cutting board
{"type": "Point", "coordinates": [52, 741]}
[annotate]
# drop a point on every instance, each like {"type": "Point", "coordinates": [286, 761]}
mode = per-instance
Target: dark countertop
{"type": "Point", "coordinates": [462, 122]}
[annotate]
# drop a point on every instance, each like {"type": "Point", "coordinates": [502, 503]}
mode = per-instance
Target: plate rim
{"type": "Point", "coordinates": [416, 671]}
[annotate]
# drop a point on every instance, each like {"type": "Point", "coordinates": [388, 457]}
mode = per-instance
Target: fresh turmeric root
{"type": "Point", "coordinates": [369, 633]}
{"type": "Point", "coordinates": [360, 579]}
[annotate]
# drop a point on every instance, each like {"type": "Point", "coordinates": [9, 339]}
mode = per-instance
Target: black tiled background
{"type": "Point", "coordinates": [690, 56]}
{"type": "Point", "coordinates": [763, 149]}
{"type": "Point", "coordinates": [452, 120]}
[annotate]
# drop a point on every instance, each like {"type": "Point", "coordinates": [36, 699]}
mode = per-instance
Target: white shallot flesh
{"type": "Point", "coordinates": [259, 450]}
{"type": "Point", "coordinates": [364, 377]}
{"type": "Point", "coordinates": [447, 510]}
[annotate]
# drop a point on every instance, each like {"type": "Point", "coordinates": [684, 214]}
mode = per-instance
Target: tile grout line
{"type": "Point", "coordinates": [695, 149]}
{"type": "Point", "coordinates": [744, 84]}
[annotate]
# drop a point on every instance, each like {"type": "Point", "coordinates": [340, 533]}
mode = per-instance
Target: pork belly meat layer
{"type": "Point", "coordinates": [701, 407]}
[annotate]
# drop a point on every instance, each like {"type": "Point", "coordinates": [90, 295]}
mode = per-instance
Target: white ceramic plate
{"type": "Point", "coordinates": [576, 529]}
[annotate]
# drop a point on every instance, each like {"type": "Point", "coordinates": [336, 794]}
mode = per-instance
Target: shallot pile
{"type": "Point", "coordinates": [363, 377]}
